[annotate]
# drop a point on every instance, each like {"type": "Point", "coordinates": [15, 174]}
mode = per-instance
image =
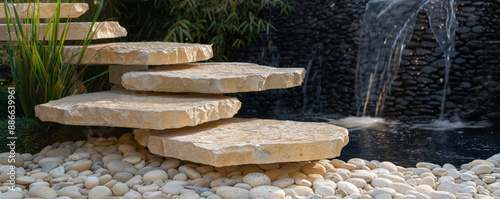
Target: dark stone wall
{"type": "Point", "coordinates": [321, 36]}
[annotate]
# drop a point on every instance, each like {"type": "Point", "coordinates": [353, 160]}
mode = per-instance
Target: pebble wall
{"type": "Point", "coordinates": [322, 37]}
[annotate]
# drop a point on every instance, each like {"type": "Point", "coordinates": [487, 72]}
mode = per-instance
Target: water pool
{"type": "Point", "coordinates": [405, 145]}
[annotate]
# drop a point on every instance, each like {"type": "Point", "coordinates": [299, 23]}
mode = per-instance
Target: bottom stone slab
{"type": "Point", "coordinates": [238, 141]}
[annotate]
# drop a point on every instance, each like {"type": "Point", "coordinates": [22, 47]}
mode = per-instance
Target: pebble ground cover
{"type": "Point", "coordinates": [120, 168]}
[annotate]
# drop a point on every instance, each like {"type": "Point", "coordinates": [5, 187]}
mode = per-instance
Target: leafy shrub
{"type": "Point", "coordinates": [30, 132]}
{"type": "Point", "coordinates": [227, 24]}
{"type": "Point", "coordinates": [5, 76]}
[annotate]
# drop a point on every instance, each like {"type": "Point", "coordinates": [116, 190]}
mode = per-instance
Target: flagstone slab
{"type": "Point", "coordinates": [76, 30]}
{"type": "Point", "coordinates": [213, 78]}
{"type": "Point", "coordinates": [143, 53]}
{"type": "Point", "coordinates": [238, 141]}
{"type": "Point", "coordinates": [134, 109]}
{"type": "Point", "coordinates": [68, 10]}
{"type": "Point", "coordinates": [117, 71]}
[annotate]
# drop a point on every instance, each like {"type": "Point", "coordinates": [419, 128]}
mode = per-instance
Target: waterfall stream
{"type": "Point", "coordinates": [385, 30]}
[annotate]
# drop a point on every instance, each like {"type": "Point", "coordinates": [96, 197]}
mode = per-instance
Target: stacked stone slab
{"type": "Point", "coordinates": [76, 31]}
{"type": "Point", "coordinates": [178, 108]}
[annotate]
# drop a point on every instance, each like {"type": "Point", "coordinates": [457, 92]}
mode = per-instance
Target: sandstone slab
{"type": "Point", "coordinates": [239, 141]}
{"type": "Point", "coordinates": [116, 72]}
{"type": "Point", "coordinates": [143, 53]}
{"type": "Point", "coordinates": [68, 10]}
{"type": "Point", "coordinates": [76, 31]}
{"type": "Point", "coordinates": [213, 78]}
{"type": "Point", "coordinates": [133, 109]}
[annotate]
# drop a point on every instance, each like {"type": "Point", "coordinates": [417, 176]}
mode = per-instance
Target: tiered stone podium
{"type": "Point", "coordinates": [178, 108]}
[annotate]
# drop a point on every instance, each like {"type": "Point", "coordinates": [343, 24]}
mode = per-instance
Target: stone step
{"type": "Point", "coordinates": [76, 31]}
{"type": "Point", "coordinates": [74, 10]}
{"type": "Point", "coordinates": [134, 109]}
{"type": "Point", "coordinates": [239, 141]}
{"type": "Point", "coordinates": [213, 78]}
{"type": "Point", "coordinates": [143, 53]}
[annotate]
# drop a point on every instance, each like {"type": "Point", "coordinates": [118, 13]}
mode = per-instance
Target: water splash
{"type": "Point", "coordinates": [447, 125]}
{"type": "Point", "coordinates": [384, 125]}
{"type": "Point", "coordinates": [354, 123]}
{"type": "Point", "coordinates": [386, 29]}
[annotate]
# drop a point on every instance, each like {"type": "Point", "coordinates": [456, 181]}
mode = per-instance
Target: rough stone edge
{"type": "Point", "coordinates": [102, 30]}
{"type": "Point", "coordinates": [93, 55]}
{"type": "Point", "coordinates": [147, 137]}
{"type": "Point", "coordinates": [266, 82]}
{"type": "Point", "coordinates": [60, 116]}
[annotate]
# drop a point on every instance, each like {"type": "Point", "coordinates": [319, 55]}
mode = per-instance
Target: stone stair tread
{"type": "Point", "coordinates": [77, 30]}
{"type": "Point", "coordinates": [134, 109]}
{"type": "Point", "coordinates": [143, 53]}
{"type": "Point", "coordinates": [213, 78]}
{"type": "Point", "coordinates": [238, 141]}
{"type": "Point", "coordinates": [74, 10]}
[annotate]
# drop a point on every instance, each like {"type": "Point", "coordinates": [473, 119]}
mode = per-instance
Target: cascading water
{"type": "Point", "coordinates": [386, 29]}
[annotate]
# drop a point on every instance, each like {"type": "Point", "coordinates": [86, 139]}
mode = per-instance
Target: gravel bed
{"type": "Point", "coordinates": [120, 168]}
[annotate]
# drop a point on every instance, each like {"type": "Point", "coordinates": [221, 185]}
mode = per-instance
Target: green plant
{"type": "Point", "coordinates": [38, 66]}
{"type": "Point", "coordinates": [227, 24]}
{"type": "Point", "coordinates": [30, 132]}
{"type": "Point", "coordinates": [5, 75]}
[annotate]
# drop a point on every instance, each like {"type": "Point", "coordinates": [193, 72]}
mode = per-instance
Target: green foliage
{"type": "Point", "coordinates": [38, 66]}
{"type": "Point", "coordinates": [227, 24]}
{"type": "Point", "coordinates": [30, 132]}
{"type": "Point", "coordinates": [5, 75]}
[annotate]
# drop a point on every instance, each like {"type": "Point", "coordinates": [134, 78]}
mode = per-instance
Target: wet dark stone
{"type": "Point", "coordinates": [413, 113]}
{"type": "Point", "coordinates": [411, 93]}
{"type": "Point", "coordinates": [424, 79]}
{"type": "Point", "coordinates": [424, 110]}
{"type": "Point", "coordinates": [477, 44]}
{"type": "Point", "coordinates": [477, 29]}
{"type": "Point", "coordinates": [407, 52]}
{"type": "Point", "coordinates": [397, 83]}
{"type": "Point", "coordinates": [459, 61]}
{"type": "Point", "coordinates": [429, 69]}
{"type": "Point", "coordinates": [478, 3]}
{"type": "Point", "coordinates": [465, 85]}
{"type": "Point", "coordinates": [429, 44]}
{"type": "Point", "coordinates": [421, 51]}
{"type": "Point", "coordinates": [464, 49]}
{"type": "Point", "coordinates": [434, 103]}
{"type": "Point", "coordinates": [464, 29]}
{"type": "Point", "coordinates": [397, 89]}
{"type": "Point", "coordinates": [468, 9]}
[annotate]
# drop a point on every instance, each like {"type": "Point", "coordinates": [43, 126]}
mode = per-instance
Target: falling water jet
{"type": "Point", "coordinates": [386, 29]}
{"type": "Point", "coordinates": [443, 24]}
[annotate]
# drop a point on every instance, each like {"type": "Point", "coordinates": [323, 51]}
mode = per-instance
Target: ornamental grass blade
{"type": "Point", "coordinates": [37, 60]}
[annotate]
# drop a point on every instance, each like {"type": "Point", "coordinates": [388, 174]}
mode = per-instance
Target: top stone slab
{"type": "Point", "coordinates": [238, 141]}
{"type": "Point", "coordinates": [76, 30]}
{"type": "Point", "coordinates": [133, 109]}
{"type": "Point", "coordinates": [213, 78]}
{"type": "Point", "coordinates": [143, 53]}
{"type": "Point", "coordinates": [68, 10]}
